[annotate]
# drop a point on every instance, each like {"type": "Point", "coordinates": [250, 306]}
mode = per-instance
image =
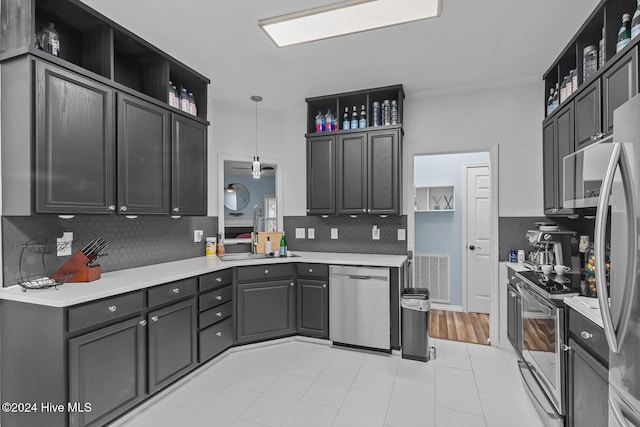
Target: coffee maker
{"type": "Point", "coordinates": [553, 247]}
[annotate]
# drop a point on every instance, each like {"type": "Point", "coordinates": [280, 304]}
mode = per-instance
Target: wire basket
{"type": "Point", "coordinates": [39, 246]}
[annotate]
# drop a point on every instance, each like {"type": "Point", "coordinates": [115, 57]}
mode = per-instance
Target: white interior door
{"type": "Point", "coordinates": [478, 208]}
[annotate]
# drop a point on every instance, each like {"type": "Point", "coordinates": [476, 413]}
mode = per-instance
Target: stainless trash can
{"type": "Point", "coordinates": [415, 305]}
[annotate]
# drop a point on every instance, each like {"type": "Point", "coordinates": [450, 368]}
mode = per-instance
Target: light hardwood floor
{"type": "Point", "coordinates": [459, 326]}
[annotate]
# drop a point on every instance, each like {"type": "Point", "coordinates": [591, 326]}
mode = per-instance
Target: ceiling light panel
{"type": "Point", "coordinates": [346, 17]}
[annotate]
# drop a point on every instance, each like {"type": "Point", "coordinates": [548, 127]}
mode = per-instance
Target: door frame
{"type": "Point", "coordinates": [409, 193]}
{"type": "Point", "coordinates": [465, 211]}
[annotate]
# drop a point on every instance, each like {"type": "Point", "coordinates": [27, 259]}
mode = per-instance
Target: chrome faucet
{"type": "Point", "coordinates": [257, 214]}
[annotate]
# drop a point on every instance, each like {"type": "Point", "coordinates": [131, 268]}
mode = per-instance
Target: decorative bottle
{"type": "Point", "coordinates": [624, 34]}
{"type": "Point", "coordinates": [346, 119]}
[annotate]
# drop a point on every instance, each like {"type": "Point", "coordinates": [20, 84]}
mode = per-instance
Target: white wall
{"type": "Point", "coordinates": [467, 120]}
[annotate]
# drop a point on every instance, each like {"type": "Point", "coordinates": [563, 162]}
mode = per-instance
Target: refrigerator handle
{"type": "Point", "coordinates": [614, 336]}
{"type": "Point", "coordinates": [618, 414]}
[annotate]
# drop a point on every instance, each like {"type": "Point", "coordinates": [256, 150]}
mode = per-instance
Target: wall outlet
{"type": "Point", "coordinates": [63, 247]}
{"type": "Point", "coordinates": [334, 233]}
{"type": "Point", "coordinates": [402, 234]}
{"type": "Point", "coordinates": [311, 233]}
{"type": "Point", "coordinates": [197, 236]}
{"type": "Point", "coordinates": [300, 233]}
{"type": "Point", "coordinates": [375, 233]}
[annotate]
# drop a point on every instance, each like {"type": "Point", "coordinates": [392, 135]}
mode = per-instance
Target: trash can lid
{"type": "Point", "coordinates": [415, 293]}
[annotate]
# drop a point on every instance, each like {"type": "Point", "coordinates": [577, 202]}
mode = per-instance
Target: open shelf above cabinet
{"type": "Point", "coordinates": [92, 42]}
{"type": "Point", "coordinates": [435, 199]}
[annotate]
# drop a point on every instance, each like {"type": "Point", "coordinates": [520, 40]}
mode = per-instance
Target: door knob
{"type": "Point", "coordinates": [472, 248]}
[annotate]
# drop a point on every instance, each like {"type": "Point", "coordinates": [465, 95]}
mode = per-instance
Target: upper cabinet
{"type": "Point", "coordinates": [91, 128]}
{"type": "Point", "coordinates": [355, 169]}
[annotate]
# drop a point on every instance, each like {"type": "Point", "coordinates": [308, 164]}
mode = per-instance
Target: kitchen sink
{"type": "Point", "coordinates": [246, 255]}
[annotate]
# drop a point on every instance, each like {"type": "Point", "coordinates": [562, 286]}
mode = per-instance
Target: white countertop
{"type": "Point", "coordinates": [586, 306]}
{"type": "Point", "coordinates": [118, 282]}
{"type": "Point", "coordinates": [517, 266]}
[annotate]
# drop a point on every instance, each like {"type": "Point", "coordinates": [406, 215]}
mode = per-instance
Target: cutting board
{"type": "Point", "coordinates": [274, 236]}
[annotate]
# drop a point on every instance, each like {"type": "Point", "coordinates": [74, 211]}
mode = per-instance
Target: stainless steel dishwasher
{"type": "Point", "coordinates": [359, 306]}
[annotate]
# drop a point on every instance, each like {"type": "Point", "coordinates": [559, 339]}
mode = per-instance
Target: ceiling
{"type": "Point", "coordinates": [473, 43]}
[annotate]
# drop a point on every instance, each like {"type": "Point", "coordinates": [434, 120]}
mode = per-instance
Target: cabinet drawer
{"type": "Point", "coordinates": [589, 335]}
{"type": "Point", "coordinates": [265, 272]}
{"type": "Point", "coordinates": [216, 339]}
{"type": "Point", "coordinates": [214, 315]}
{"type": "Point", "coordinates": [217, 297]}
{"type": "Point", "coordinates": [312, 271]}
{"type": "Point", "coordinates": [172, 291]}
{"type": "Point", "coordinates": [216, 280]}
{"type": "Point", "coordinates": [105, 310]}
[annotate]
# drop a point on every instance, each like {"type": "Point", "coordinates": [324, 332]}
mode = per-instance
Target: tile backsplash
{"type": "Point", "coordinates": [354, 234]}
{"type": "Point", "coordinates": [133, 242]}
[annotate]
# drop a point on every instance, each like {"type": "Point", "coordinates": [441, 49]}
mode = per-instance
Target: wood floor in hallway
{"type": "Point", "coordinates": [459, 326]}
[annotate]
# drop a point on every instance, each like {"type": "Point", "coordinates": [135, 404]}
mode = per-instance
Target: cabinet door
{"type": "Point", "coordinates": [321, 175]}
{"type": "Point", "coordinates": [588, 115]}
{"type": "Point", "coordinates": [564, 147]}
{"type": "Point", "coordinates": [143, 157]}
{"type": "Point", "coordinates": [106, 369]}
{"type": "Point", "coordinates": [313, 308]}
{"type": "Point", "coordinates": [265, 310]}
{"type": "Point", "coordinates": [588, 389]}
{"type": "Point", "coordinates": [172, 343]}
{"type": "Point", "coordinates": [620, 83]}
{"type": "Point", "coordinates": [513, 318]}
{"type": "Point", "coordinates": [384, 172]}
{"type": "Point", "coordinates": [549, 172]}
{"type": "Point", "coordinates": [75, 149]}
{"type": "Point", "coordinates": [189, 167]}
{"type": "Point", "coordinates": [352, 173]}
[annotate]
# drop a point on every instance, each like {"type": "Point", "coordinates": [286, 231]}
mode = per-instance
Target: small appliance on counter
{"type": "Point", "coordinates": [553, 247]}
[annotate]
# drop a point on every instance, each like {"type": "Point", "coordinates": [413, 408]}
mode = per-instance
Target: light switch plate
{"type": "Point", "coordinates": [402, 234]}
{"type": "Point", "coordinates": [311, 233]}
{"type": "Point", "coordinates": [197, 236]}
{"type": "Point", "coordinates": [64, 247]}
{"type": "Point", "coordinates": [300, 233]}
{"type": "Point", "coordinates": [334, 233]}
{"type": "Point", "coordinates": [375, 233]}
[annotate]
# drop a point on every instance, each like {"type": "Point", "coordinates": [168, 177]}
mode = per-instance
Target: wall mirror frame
{"type": "Point", "coordinates": [274, 161]}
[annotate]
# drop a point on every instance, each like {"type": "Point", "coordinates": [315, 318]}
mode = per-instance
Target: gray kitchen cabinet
{"type": "Point", "coordinates": [321, 175]}
{"type": "Point", "coordinates": [107, 370]}
{"type": "Point", "coordinates": [368, 166]}
{"type": "Point", "coordinates": [74, 140]}
{"type": "Point", "coordinates": [172, 343]}
{"type": "Point", "coordinates": [215, 318]}
{"type": "Point", "coordinates": [144, 142]}
{"type": "Point", "coordinates": [619, 84]}
{"type": "Point", "coordinates": [514, 312]}
{"type": "Point", "coordinates": [312, 310]}
{"type": "Point", "coordinates": [557, 142]}
{"type": "Point", "coordinates": [588, 115]}
{"type": "Point", "coordinates": [265, 310]}
{"type": "Point", "coordinates": [189, 167]}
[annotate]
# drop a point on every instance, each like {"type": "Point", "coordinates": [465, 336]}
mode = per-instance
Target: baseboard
{"type": "Point", "coordinates": [445, 307]}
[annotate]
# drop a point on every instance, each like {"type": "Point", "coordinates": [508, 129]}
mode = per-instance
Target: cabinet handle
{"type": "Point", "coordinates": [292, 284]}
{"type": "Point", "coordinates": [218, 334]}
{"type": "Point", "coordinates": [112, 207]}
{"type": "Point", "coordinates": [324, 285]}
{"type": "Point", "coordinates": [218, 279]}
{"type": "Point", "coordinates": [266, 272]}
{"type": "Point", "coordinates": [219, 314]}
{"type": "Point", "coordinates": [154, 318]}
{"type": "Point", "coordinates": [112, 308]}
{"type": "Point", "coordinates": [311, 270]}
{"type": "Point", "coordinates": [176, 209]}
{"type": "Point", "coordinates": [123, 208]}
{"type": "Point", "coordinates": [175, 290]}
{"type": "Point", "coordinates": [364, 210]}
{"type": "Point", "coordinates": [586, 335]}
{"type": "Point", "coordinates": [143, 323]}
{"type": "Point", "coordinates": [219, 297]}
{"type": "Point", "coordinates": [369, 210]}
{"type": "Point", "coordinates": [565, 347]}
{"type": "Point", "coordinates": [513, 295]}
{"type": "Point", "coordinates": [598, 135]}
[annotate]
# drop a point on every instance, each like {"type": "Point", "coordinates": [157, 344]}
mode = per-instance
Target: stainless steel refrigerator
{"type": "Point", "coordinates": [618, 213]}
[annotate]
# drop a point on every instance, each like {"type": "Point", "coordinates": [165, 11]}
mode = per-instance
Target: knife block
{"type": "Point", "coordinates": [75, 269]}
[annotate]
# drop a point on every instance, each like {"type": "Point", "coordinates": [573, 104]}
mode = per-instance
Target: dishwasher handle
{"type": "Point", "coordinates": [356, 277]}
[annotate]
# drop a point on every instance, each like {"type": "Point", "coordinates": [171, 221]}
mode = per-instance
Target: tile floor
{"type": "Point", "coordinates": [295, 383]}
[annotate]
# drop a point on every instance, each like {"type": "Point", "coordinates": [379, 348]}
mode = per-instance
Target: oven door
{"type": "Point", "coordinates": [543, 342]}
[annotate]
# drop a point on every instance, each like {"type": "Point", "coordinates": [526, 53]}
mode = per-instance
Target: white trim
{"type": "Point", "coordinates": [445, 307]}
{"type": "Point", "coordinates": [279, 174]}
{"type": "Point", "coordinates": [465, 211]}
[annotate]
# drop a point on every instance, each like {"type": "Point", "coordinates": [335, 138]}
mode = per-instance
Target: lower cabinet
{"type": "Point", "coordinates": [265, 310]}
{"type": "Point", "coordinates": [172, 343]}
{"type": "Point", "coordinates": [313, 308]}
{"type": "Point", "coordinates": [107, 370]}
{"type": "Point", "coordinates": [514, 318]}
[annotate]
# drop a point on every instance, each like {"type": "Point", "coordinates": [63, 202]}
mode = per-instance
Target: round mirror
{"type": "Point", "coordinates": [236, 197]}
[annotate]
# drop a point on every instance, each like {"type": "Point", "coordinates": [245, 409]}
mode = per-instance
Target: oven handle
{"type": "Point", "coordinates": [546, 405]}
{"type": "Point", "coordinates": [539, 299]}
{"type": "Point", "coordinates": [614, 337]}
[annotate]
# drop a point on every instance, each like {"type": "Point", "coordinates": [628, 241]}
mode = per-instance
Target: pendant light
{"type": "Point", "coordinates": [255, 167]}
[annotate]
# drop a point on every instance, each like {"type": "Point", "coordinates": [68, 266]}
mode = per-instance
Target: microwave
{"type": "Point", "coordinates": [583, 173]}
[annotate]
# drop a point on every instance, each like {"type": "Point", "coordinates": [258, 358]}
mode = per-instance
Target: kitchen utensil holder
{"type": "Point", "coordinates": [77, 265]}
{"type": "Point", "coordinates": [38, 280]}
